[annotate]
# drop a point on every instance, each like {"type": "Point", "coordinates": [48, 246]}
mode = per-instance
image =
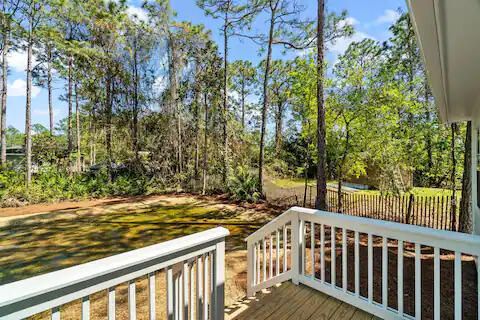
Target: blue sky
{"type": "Point", "coordinates": [371, 19]}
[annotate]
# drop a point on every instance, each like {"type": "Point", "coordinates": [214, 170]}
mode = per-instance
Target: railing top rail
{"type": "Point", "coordinates": [281, 219]}
{"type": "Point", "coordinates": [54, 281]}
{"type": "Point", "coordinates": [450, 240]}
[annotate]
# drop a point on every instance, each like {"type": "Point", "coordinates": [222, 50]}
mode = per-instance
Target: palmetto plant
{"type": "Point", "coordinates": [244, 185]}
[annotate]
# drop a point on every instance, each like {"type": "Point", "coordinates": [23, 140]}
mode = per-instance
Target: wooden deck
{"type": "Point", "coordinates": [289, 301]}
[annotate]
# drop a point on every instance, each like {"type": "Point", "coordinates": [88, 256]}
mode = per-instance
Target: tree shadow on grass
{"type": "Point", "coordinates": [39, 244]}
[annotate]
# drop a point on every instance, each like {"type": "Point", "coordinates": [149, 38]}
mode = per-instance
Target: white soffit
{"type": "Point", "coordinates": [448, 33]}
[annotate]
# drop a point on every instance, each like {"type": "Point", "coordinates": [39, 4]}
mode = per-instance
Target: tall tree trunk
{"type": "Point", "coordinates": [341, 167]}
{"type": "Point", "coordinates": [243, 104]}
{"type": "Point", "coordinates": [108, 125]}
{"type": "Point", "coordinates": [321, 202]}
{"type": "Point", "coordinates": [465, 221]}
{"type": "Point", "coordinates": [49, 87]}
{"type": "Point", "coordinates": [339, 191]}
{"type": "Point", "coordinates": [3, 126]}
{"type": "Point", "coordinates": [70, 93]}
{"type": "Point", "coordinates": [453, 214]}
{"type": "Point", "coordinates": [90, 137]}
{"type": "Point", "coordinates": [135, 101]}
{"type": "Point", "coordinates": [175, 106]}
{"type": "Point", "coordinates": [205, 146]}
{"type": "Point", "coordinates": [93, 136]}
{"type": "Point", "coordinates": [28, 112]}
{"type": "Point", "coordinates": [278, 128]}
{"type": "Point", "coordinates": [428, 119]}
{"type": "Point", "coordinates": [197, 102]}
{"type": "Point", "coordinates": [225, 100]}
{"type": "Point", "coordinates": [79, 138]}
{"type": "Point", "coordinates": [265, 103]}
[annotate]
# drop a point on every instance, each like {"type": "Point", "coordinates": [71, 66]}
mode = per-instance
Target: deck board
{"type": "Point", "coordinates": [288, 302]}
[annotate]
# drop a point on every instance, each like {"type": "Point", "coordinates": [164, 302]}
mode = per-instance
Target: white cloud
{"type": "Point", "coordinates": [348, 21]}
{"type": "Point", "coordinates": [234, 95]}
{"type": "Point", "coordinates": [388, 16]}
{"type": "Point", "coordinates": [19, 88]}
{"type": "Point", "coordinates": [137, 13]}
{"type": "Point", "coordinates": [17, 60]}
{"type": "Point", "coordinates": [160, 84]}
{"type": "Point", "coordinates": [341, 45]}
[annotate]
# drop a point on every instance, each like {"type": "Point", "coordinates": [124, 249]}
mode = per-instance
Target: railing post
{"type": "Point", "coordinates": [297, 245]}
{"type": "Point", "coordinates": [250, 268]}
{"type": "Point", "coordinates": [218, 303]}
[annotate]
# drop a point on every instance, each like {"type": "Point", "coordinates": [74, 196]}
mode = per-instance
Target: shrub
{"type": "Point", "coordinates": [244, 185]}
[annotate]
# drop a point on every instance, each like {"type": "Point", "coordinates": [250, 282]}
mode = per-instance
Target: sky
{"type": "Point", "coordinates": [370, 18]}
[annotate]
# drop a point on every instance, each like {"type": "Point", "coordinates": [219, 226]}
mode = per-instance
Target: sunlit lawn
{"type": "Point", "coordinates": [417, 191]}
{"type": "Point", "coordinates": [292, 182]}
{"type": "Point", "coordinates": [34, 245]}
{"type": "Point", "coordinates": [420, 191]}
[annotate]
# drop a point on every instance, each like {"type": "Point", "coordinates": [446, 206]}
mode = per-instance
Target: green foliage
{"type": "Point", "coordinates": [244, 185]}
{"type": "Point", "coordinates": [52, 184]}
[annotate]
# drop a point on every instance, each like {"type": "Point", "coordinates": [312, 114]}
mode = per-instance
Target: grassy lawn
{"type": "Point", "coordinates": [38, 244]}
{"type": "Point", "coordinates": [419, 191]}
{"type": "Point", "coordinates": [292, 182]}
{"type": "Point", "coordinates": [35, 244]}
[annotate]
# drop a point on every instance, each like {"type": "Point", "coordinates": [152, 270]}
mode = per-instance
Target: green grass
{"type": "Point", "coordinates": [418, 191]}
{"type": "Point", "coordinates": [40, 244]}
{"type": "Point", "coordinates": [291, 182]}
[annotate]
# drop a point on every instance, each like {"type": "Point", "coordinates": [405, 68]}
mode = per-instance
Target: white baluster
{"type": "Point", "coordinates": [199, 283]}
{"type": "Point", "coordinates": [192, 292]}
{"type": "Point", "coordinates": [55, 313]}
{"type": "Point", "coordinates": [458, 285]}
{"type": "Point", "coordinates": [322, 252]}
{"type": "Point", "coordinates": [370, 268]}
{"type": "Point", "coordinates": [385, 273]}
{"type": "Point", "coordinates": [270, 249]}
{"type": "Point", "coordinates": [285, 248]}
{"type": "Point", "coordinates": [151, 295]}
{"type": "Point", "coordinates": [111, 304]}
{"type": "Point", "coordinates": [277, 251]}
{"type": "Point", "coordinates": [302, 247]}
{"type": "Point", "coordinates": [259, 278]}
{"type": "Point", "coordinates": [180, 293]}
{"type": "Point", "coordinates": [312, 248]}
{"type": "Point", "coordinates": [400, 277]}
{"type": "Point", "coordinates": [206, 280]}
{"type": "Point", "coordinates": [253, 274]}
{"type": "Point", "coordinates": [436, 283]}
{"type": "Point", "coordinates": [264, 244]}
{"type": "Point", "coordinates": [85, 308]}
{"type": "Point", "coordinates": [357, 264]}
{"type": "Point", "coordinates": [333, 258]}
{"type": "Point", "coordinates": [418, 282]}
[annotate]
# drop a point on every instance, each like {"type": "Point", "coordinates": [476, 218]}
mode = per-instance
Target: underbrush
{"type": "Point", "coordinates": [244, 186]}
{"type": "Point", "coordinates": [50, 184]}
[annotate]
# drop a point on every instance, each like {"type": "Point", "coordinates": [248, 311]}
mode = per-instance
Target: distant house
{"type": "Point", "coordinates": [15, 154]}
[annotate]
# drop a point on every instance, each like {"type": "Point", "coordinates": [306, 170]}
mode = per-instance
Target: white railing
{"type": "Point", "coordinates": [194, 268]}
{"type": "Point", "coordinates": [302, 239]}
